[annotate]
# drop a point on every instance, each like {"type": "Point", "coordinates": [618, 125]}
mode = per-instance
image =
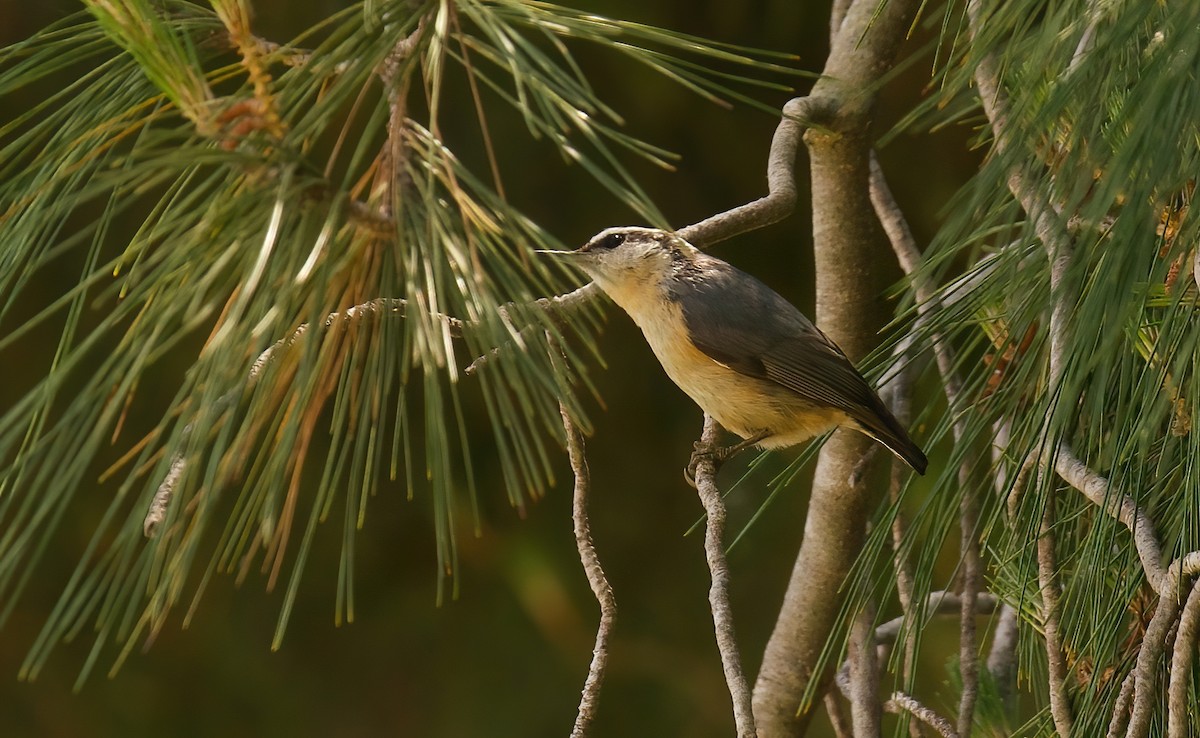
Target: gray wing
{"type": "Point", "coordinates": [744, 324]}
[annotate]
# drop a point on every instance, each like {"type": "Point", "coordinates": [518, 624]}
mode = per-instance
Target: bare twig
{"type": "Point", "coordinates": [780, 199]}
{"type": "Point", "coordinates": [1086, 39]}
{"type": "Point", "coordinates": [567, 303]}
{"type": "Point", "coordinates": [896, 392]}
{"type": "Point", "coordinates": [1002, 659]}
{"type": "Point", "coordinates": [900, 235]}
{"type": "Point", "coordinates": [837, 715]}
{"type": "Point", "coordinates": [1060, 707]}
{"type": "Point", "coordinates": [864, 675]}
{"type": "Point", "coordinates": [904, 702]}
{"type": "Point", "coordinates": [1180, 712]}
{"type": "Point", "coordinates": [940, 602]}
{"type": "Point", "coordinates": [1119, 506]}
{"type": "Point", "coordinates": [968, 656]}
{"type": "Point", "coordinates": [1145, 691]}
{"type": "Point", "coordinates": [1120, 717]}
{"type": "Point", "coordinates": [718, 593]}
{"type": "Point", "coordinates": [595, 576]}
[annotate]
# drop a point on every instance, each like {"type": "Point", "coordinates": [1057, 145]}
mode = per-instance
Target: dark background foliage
{"type": "Point", "coordinates": [508, 656]}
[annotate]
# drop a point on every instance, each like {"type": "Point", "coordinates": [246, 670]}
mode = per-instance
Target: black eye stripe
{"type": "Point", "coordinates": [612, 240]}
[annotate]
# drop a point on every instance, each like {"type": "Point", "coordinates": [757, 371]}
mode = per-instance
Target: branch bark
{"type": "Point", "coordinates": [864, 676]}
{"type": "Point", "coordinates": [1060, 707]}
{"type": "Point", "coordinates": [718, 593]}
{"type": "Point", "coordinates": [904, 702]}
{"type": "Point", "coordinates": [1180, 716]}
{"type": "Point", "coordinates": [848, 249]}
{"type": "Point", "coordinates": [595, 576]}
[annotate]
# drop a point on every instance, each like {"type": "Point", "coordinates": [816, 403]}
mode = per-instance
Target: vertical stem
{"type": "Point", "coordinates": [595, 576]}
{"type": "Point", "coordinates": [1060, 708]}
{"type": "Point", "coordinates": [718, 593]}
{"type": "Point", "coordinates": [865, 707]}
{"type": "Point", "coordinates": [1180, 711]}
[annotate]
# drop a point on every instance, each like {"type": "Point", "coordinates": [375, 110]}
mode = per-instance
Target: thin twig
{"type": "Point", "coordinates": [1120, 716]}
{"type": "Point", "coordinates": [904, 702]}
{"type": "Point", "coordinates": [1087, 39]}
{"type": "Point", "coordinates": [968, 656]}
{"type": "Point", "coordinates": [1119, 506]}
{"type": "Point", "coordinates": [864, 675]}
{"type": "Point", "coordinates": [896, 393]}
{"type": "Point", "coordinates": [780, 199]}
{"type": "Point", "coordinates": [1060, 707]}
{"type": "Point", "coordinates": [1002, 658]}
{"type": "Point", "coordinates": [1180, 712]}
{"type": "Point", "coordinates": [837, 714]}
{"type": "Point", "coordinates": [891, 217]}
{"type": "Point", "coordinates": [1145, 691]}
{"type": "Point", "coordinates": [718, 593]}
{"type": "Point", "coordinates": [595, 576]}
{"type": "Point", "coordinates": [558, 304]}
{"type": "Point", "coordinates": [940, 602]}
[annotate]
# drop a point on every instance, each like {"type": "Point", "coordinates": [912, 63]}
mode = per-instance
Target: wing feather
{"type": "Point", "coordinates": [740, 322]}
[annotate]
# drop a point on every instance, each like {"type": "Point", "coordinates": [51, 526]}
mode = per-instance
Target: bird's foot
{"type": "Point", "coordinates": [718, 454]}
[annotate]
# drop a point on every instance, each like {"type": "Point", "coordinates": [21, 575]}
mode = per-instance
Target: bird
{"type": "Point", "coordinates": [743, 353]}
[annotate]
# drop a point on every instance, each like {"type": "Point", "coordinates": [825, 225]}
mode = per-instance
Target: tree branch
{"type": "Point", "coordinates": [864, 675]}
{"type": "Point", "coordinates": [1145, 690]}
{"type": "Point", "coordinates": [910, 258]}
{"type": "Point", "coordinates": [1060, 707]}
{"type": "Point", "coordinates": [1118, 506]}
{"type": "Point", "coordinates": [595, 576]}
{"type": "Point", "coordinates": [780, 199]}
{"type": "Point", "coordinates": [1120, 716]}
{"type": "Point", "coordinates": [1002, 659]}
{"type": "Point", "coordinates": [718, 593]}
{"type": "Point", "coordinates": [837, 715]}
{"type": "Point", "coordinates": [1180, 713]}
{"type": "Point", "coordinates": [904, 702]}
{"type": "Point", "coordinates": [847, 250]}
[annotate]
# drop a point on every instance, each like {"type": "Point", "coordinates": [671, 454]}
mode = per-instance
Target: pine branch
{"type": "Point", "coordinates": [901, 702]}
{"type": "Point", "coordinates": [595, 576]}
{"type": "Point", "coordinates": [864, 675]}
{"type": "Point", "coordinates": [718, 595]}
{"type": "Point", "coordinates": [1180, 709]}
{"type": "Point", "coordinates": [1060, 706]}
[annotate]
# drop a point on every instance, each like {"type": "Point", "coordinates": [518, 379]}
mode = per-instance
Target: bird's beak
{"type": "Point", "coordinates": [582, 260]}
{"type": "Point", "coordinates": [578, 257]}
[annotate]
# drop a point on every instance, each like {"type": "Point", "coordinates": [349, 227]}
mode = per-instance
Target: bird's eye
{"type": "Point", "coordinates": [611, 241]}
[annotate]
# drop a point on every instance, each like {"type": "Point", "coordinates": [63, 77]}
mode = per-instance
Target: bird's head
{"type": "Point", "coordinates": [619, 256]}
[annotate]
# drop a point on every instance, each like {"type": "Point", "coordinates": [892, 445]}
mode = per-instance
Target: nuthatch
{"type": "Point", "coordinates": [746, 355]}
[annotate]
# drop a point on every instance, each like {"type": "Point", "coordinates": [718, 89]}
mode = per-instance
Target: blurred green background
{"type": "Point", "coordinates": [509, 656]}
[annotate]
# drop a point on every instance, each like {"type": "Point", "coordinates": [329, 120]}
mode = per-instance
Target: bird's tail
{"type": "Point", "coordinates": [883, 427]}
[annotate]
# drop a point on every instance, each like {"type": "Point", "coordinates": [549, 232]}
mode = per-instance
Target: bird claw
{"type": "Point", "coordinates": [700, 451]}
